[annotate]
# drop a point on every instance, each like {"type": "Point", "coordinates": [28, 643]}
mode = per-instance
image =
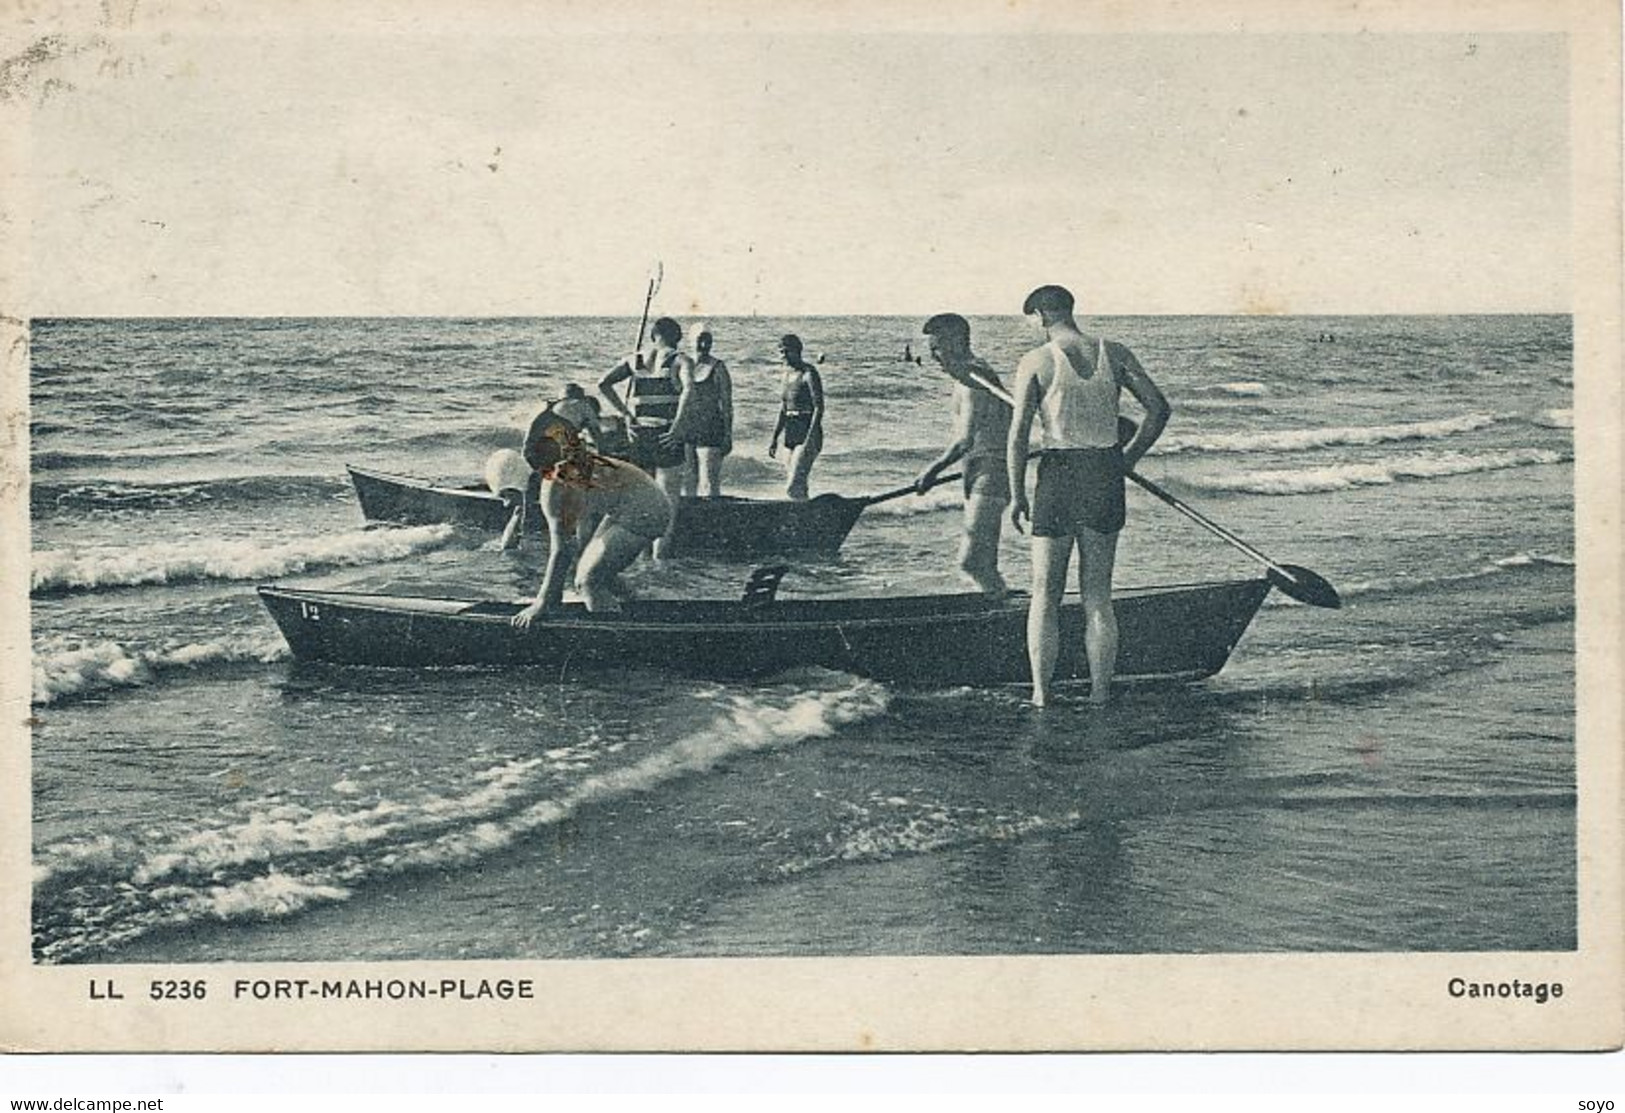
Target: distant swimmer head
{"type": "Point", "coordinates": [949, 334]}
{"type": "Point", "coordinates": [667, 330]}
{"type": "Point", "coordinates": [1052, 304]}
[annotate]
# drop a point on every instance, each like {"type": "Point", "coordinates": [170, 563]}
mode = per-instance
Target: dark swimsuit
{"type": "Point", "coordinates": [705, 403]}
{"type": "Point", "coordinates": [798, 412]}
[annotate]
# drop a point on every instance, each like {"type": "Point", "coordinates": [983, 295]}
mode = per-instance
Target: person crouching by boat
{"type": "Point", "coordinates": [657, 385]}
{"type": "Point", "coordinates": [508, 476]}
{"type": "Point", "coordinates": [607, 510]}
{"type": "Point", "coordinates": [705, 420]}
{"type": "Point", "coordinates": [981, 430]}
{"type": "Point", "coordinates": [801, 416]}
{"type": "Point", "coordinates": [1073, 384]}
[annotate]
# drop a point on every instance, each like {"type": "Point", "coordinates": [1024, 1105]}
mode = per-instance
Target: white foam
{"type": "Point", "coordinates": [944, 496]}
{"type": "Point", "coordinates": [108, 664]}
{"type": "Point", "coordinates": [1249, 389]}
{"type": "Point", "coordinates": [275, 894]}
{"type": "Point", "coordinates": [288, 830]}
{"type": "Point", "coordinates": [293, 857]}
{"type": "Point", "coordinates": [935, 828]}
{"type": "Point", "coordinates": [1555, 419]}
{"type": "Point", "coordinates": [1341, 477]}
{"type": "Point", "coordinates": [235, 559]}
{"type": "Point", "coordinates": [1299, 440]}
{"type": "Point", "coordinates": [751, 723]}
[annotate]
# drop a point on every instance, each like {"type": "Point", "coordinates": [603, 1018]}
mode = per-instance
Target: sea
{"type": "Point", "coordinates": [1397, 775]}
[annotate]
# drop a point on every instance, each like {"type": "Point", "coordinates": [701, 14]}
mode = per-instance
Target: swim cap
{"type": "Point", "coordinates": [506, 470]}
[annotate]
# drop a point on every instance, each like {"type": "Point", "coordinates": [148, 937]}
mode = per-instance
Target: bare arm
{"type": "Point", "coordinates": [816, 382]}
{"type": "Point", "coordinates": [606, 386]}
{"type": "Point", "coordinates": [562, 508]}
{"type": "Point", "coordinates": [683, 418]}
{"type": "Point", "coordinates": [1157, 410]}
{"type": "Point", "coordinates": [1028, 395]}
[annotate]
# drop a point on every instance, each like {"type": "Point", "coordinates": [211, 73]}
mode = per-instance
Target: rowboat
{"type": "Point", "coordinates": [1170, 633]}
{"type": "Point", "coordinates": [730, 526]}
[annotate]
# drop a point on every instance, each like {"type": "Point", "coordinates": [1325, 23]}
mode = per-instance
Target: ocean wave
{"type": "Point", "coordinates": [242, 490]}
{"type": "Point", "coordinates": [946, 496]}
{"type": "Point", "coordinates": [54, 461]}
{"type": "Point", "coordinates": [1246, 389]}
{"type": "Point", "coordinates": [1554, 419]}
{"type": "Point", "coordinates": [64, 672]}
{"type": "Point", "coordinates": [1410, 585]}
{"type": "Point", "coordinates": [1342, 477]}
{"type": "Point", "coordinates": [89, 569]}
{"type": "Point", "coordinates": [91, 895]}
{"type": "Point", "coordinates": [1301, 440]}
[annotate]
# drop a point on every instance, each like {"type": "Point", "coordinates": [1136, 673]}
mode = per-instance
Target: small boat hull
{"type": "Point", "coordinates": [1165, 634]}
{"type": "Point", "coordinates": [722, 526]}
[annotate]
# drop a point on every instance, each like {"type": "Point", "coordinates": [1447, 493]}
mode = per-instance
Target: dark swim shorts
{"type": "Point", "coordinates": [649, 454]}
{"type": "Point", "coordinates": [1079, 488]}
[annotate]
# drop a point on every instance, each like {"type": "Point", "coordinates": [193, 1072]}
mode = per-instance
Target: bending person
{"type": "Point", "coordinates": [801, 417]}
{"type": "Point", "coordinates": [606, 509]}
{"type": "Point", "coordinates": [981, 430]}
{"type": "Point", "coordinates": [1073, 383]}
{"type": "Point", "coordinates": [705, 420]}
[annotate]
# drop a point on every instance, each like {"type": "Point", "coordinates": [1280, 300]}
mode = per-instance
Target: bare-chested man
{"type": "Point", "coordinates": [981, 429]}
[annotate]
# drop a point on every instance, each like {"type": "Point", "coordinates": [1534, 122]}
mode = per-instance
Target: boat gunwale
{"type": "Point", "coordinates": [758, 618]}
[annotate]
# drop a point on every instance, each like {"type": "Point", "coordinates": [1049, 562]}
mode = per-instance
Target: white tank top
{"type": "Point", "coordinates": [1077, 412]}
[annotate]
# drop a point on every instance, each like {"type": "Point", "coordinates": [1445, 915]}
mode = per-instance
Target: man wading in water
{"type": "Point", "coordinates": [1072, 384]}
{"type": "Point", "coordinates": [981, 428]}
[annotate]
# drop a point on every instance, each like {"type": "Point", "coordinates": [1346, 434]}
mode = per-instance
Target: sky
{"type": "Point", "coordinates": [792, 173]}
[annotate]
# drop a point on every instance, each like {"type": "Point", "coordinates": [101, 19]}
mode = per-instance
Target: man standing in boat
{"type": "Point", "coordinates": [1073, 383]}
{"type": "Point", "coordinates": [657, 385]}
{"type": "Point", "coordinates": [981, 430]}
{"type": "Point", "coordinates": [607, 510]}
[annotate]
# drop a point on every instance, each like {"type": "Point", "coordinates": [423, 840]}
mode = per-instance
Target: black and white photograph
{"type": "Point", "coordinates": [742, 528]}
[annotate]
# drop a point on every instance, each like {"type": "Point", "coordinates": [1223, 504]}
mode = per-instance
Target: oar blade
{"type": "Point", "coordinates": [1305, 586]}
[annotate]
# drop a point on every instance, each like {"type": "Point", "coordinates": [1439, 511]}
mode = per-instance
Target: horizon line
{"type": "Point", "coordinates": [755, 315]}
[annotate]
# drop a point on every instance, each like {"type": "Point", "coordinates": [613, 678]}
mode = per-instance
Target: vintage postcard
{"type": "Point", "coordinates": [1057, 525]}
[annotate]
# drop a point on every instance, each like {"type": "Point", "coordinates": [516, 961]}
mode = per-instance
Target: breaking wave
{"type": "Point", "coordinates": [91, 895]}
{"type": "Point", "coordinates": [65, 672]}
{"type": "Point", "coordinates": [1301, 440]}
{"type": "Point", "coordinates": [1341, 477]}
{"type": "Point", "coordinates": [92, 568]}
{"type": "Point", "coordinates": [1236, 390]}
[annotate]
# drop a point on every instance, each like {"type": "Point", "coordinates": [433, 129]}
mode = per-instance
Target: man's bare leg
{"type": "Point", "coordinates": [979, 546]}
{"type": "Point", "coordinates": [1097, 554]}
{"type": "Point", "coordinates": [1051, 555]}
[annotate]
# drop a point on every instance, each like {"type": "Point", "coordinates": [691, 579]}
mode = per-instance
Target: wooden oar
{"type": "Point", "coordinates": [655, 276]}
{"type": "Point", "coordinates": [1291, 579]}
